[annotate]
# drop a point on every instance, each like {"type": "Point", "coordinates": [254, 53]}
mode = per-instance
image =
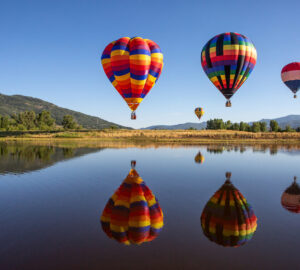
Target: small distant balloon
{"type": "Point", "coordinates": [290, 198]}
{"type": "Point", "coordinates": [132, 215]}
{"type": "Point", "coordinates": [227, 218]}
{"type": "Point", "coordinates": [228, 59]}
{"type": "Point", "coordinates": [133, 66]}
{"type": "Point", "coordinates": [290, 75]}
{"type": "Point", "coordinates": [199, 158]}
{"type": "Point", "coordinates": [199, 112]}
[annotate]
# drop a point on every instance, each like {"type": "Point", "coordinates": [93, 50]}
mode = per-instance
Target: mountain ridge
{"type": "Point", "coordinates": [10, 104]}
{"type": "Point", "coordinates": [293, 120]}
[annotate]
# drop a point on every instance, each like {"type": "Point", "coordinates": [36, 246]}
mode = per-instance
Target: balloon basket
{"type": "Point", "coordinates": [295, 96]}
{"type": "Point", "coordinates": [133, 116]}
{"type": "Point", "coordinates": [228, 176]}
{"type": "Point", "coordinates": [228, 103]}
{"type": "Point", "coordinates": [133, 163]}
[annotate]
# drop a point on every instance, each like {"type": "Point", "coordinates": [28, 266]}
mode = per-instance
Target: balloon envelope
{"type": "Point", "coordinates": [290, 75]}
{"type": "Point", "coordinates": [227, 218]}
{"type": "Point", "coordinates": [133, 66]}
{"type": "Point", "coordinates": [228, 59]}
{"type": "Point", "coordinates": [290, 198]}
{"type": "Point", "coordinates": [132, 215]}
{"type": "Point", "coordinates": [199, 112]}
{"type": "Point", "coordinates": [199, 158]}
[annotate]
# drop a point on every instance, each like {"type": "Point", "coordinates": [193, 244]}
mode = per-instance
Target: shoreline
{"type": "Point", "coordinates": [154, 137]}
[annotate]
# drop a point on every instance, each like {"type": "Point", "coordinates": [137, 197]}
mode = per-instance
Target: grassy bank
{"type": "Point", "coordinates": [193, 137]}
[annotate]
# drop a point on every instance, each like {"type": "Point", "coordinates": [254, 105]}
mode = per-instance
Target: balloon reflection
{"type": "Point", "coordinates": [290, 198]}
{"type": "Point", "coordinates": [199, 158]}
{"type": "Point", "coordinates": [227, 218]}
{"type": "Point", "coordinates": [132, 215]}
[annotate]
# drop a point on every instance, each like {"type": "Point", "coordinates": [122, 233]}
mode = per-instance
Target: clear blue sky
{"type": "Point", "coordinates": [52, 49]}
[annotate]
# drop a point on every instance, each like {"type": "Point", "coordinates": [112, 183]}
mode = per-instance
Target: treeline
{"type": "Point", "coordinates": [31, 153]}
{"type": "Point", "coordinates": [29, 120]}
{"type": "Point", "coordinates": [242, 126]}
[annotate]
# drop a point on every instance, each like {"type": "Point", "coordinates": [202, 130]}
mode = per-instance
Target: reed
{"type": "Point", "coordinates": [163, 136]}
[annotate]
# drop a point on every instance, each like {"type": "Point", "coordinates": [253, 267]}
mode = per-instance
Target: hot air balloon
{"type": "Point", "coordinates": [227, 218]}
{"type": "Point", "coordinates": [228, 59]}
{"type": "Point", "coordinates": [132, 215]}
{"type": "Point", "coordinates": [199, 158]}
{"type": "Point", "coordinates": [290, 199]}
{"type": "Point", "coordinates": [290, 75]}
{"type": "Point", "coordinates": [199, 112]}
{"type": "Point", "coordinates": [133, 66]}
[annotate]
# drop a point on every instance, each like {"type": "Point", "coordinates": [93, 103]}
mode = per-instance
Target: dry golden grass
{"type": "Point", "coordinates": [192, 137]}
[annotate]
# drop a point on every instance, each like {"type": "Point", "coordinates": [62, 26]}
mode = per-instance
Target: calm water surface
{"type": "Point", "coordinates": [52, 199]}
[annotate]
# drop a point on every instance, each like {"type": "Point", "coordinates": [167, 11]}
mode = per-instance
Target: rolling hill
{"type": "Point", "coordinates": [17, 103]}
{"type": "Point", "coordinates": [292, 120]}
{"type": "Point", "coordinates": [201, 125]}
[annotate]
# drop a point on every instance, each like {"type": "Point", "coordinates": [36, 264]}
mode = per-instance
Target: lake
{"type": "Point", "coordinates": [52, 200]}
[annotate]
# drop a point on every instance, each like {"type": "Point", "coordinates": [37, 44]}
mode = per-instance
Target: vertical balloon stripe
{"type": "Point", "coordinates": [106, 63]}
{"type": "Point", "coordinates": [140, 60]}
{"type": "Point", "coordinates": [120, 64]}
{"type": "Point", "coordinates": [156, 66]}
{"type": "Point", "coordinates": [250, 61]}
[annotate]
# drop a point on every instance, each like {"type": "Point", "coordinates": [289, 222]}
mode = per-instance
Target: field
{"type": "Point", "coordinates": [193, 137]}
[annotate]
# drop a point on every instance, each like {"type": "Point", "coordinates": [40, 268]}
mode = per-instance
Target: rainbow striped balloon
{"type": "Point", "coordinates": [133, 66]}
{"type": "Point", "coordinates": [199, 112]}
{"type": "Point", "coordinates": [228, 59]}
{"type": "Point", "coordinates": [132, 215]}
{"type": "Point", "coordinates": [290, 75]}
{"type": "Point", "coordinates": [227, 218]}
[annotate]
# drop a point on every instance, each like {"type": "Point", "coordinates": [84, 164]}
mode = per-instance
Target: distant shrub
{"type": "Point", "coordinates": [67, 135]}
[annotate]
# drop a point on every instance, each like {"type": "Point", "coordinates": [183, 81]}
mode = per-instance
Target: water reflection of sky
{"type": "Point", "coordinates": [50, 218]}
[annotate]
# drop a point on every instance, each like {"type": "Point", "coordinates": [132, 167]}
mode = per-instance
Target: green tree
{"type": "Point", "coordinates": [243, 126]}
{"type": "Point", "coordinates": [255, 127]}
{"type": "Point", "coordinates": [235, 126]}
{"type": "Point", "coordinates": [44, 120]}
{"type": "Point", "coordinates": [274, 126]}
{"type": "Point", "coordinates": [27, 119]}
{"type": "Point", "coordinates": [209, 124]}
{"type": "Point", "coordinates": [263, 126]}
{"type": "Point", "coordinates": [289, 129]}
{"type": "Point", "coordinates": [248, 127]}
{"type": "Point", "coordinates": [228, 125]}
{"type": "Point", "coordinates": [5, 122]}
{"type": "Point", "coordinates": [68, 122]}
{"type": "Point", "coordinates": [15, 117]}
{"type": "Point", "coordinates": [20, 127]}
